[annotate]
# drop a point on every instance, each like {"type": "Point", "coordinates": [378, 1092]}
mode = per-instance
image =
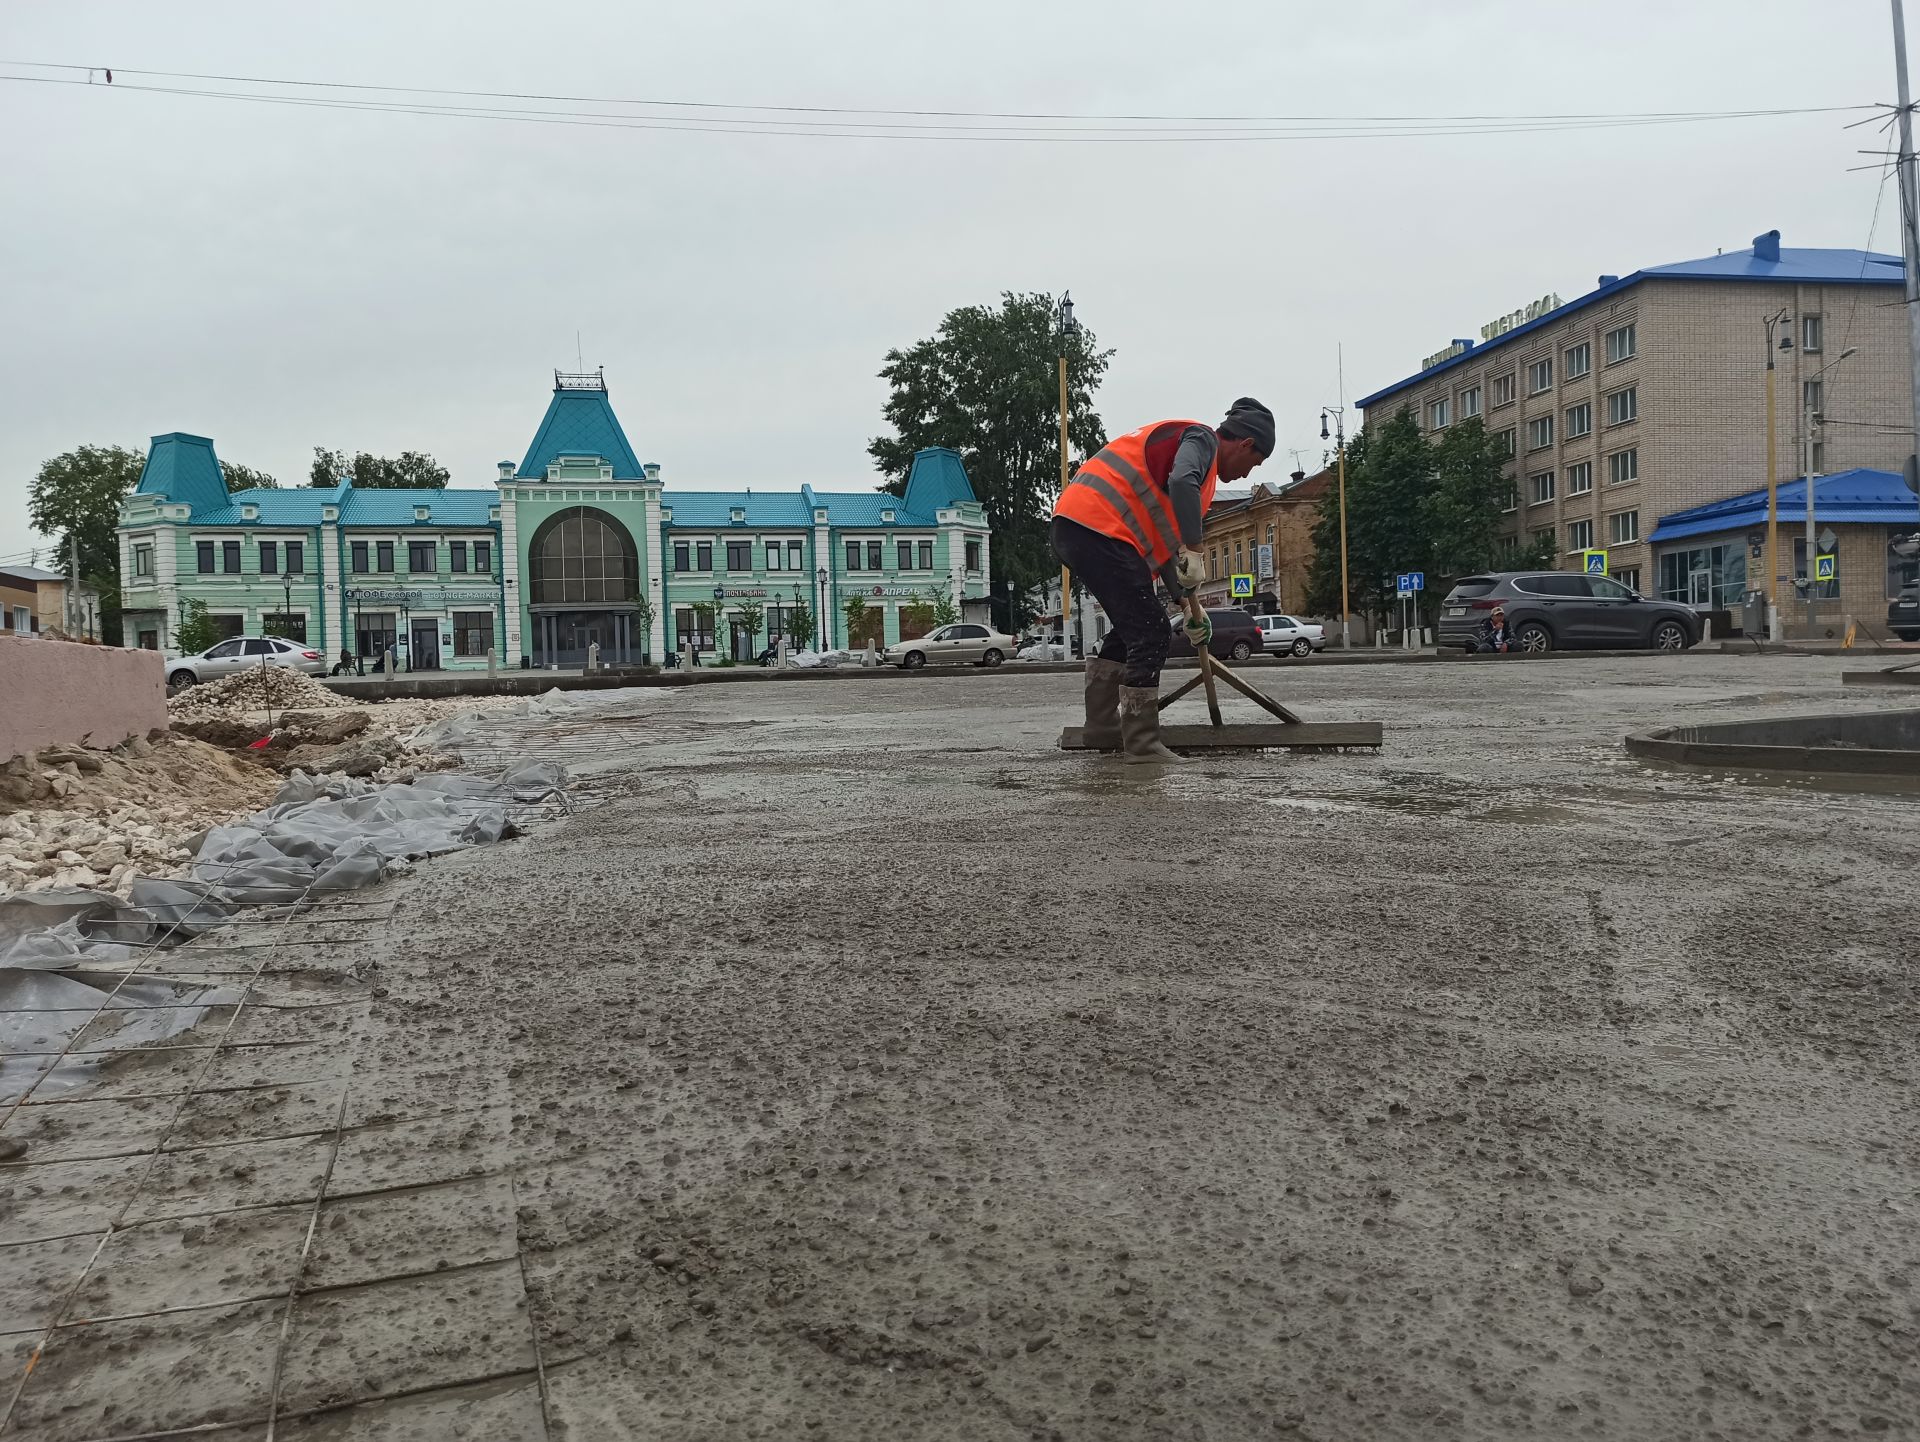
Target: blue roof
{"type": "Point", "coordinates": [580, 422]}
{"type": "Point", "coordinates": [710, 509]}
{"type": "Point", "coordinates": [937, 478]}
{"type": "Point", "coordinates": [1857, 497]}
{"type": "Point", "coordinates": [183, 468]}
{"type": "Point", "coordinates": [303, 506]}
{"type": "Point", "coordinates": [1766, 260]}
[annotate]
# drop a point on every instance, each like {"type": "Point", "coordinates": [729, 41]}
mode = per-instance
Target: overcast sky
{"type": "Point", "coordinates": [280, 277]}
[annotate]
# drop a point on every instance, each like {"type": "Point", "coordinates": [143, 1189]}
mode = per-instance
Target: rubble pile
{"type": "Point", "coordinates": [263, 688]}
{"type": "Point", "coordinates": [70, 816]}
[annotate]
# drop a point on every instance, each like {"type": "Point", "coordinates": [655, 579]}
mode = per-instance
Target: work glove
{"type": "Point", "coordinates": [1199, 630]}
{"type": "Point", "coordinates": [1189, 570]}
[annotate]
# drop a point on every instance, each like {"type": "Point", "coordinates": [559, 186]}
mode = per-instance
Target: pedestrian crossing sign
{"type": "Point", "coordinates": [1823, 568]}
{"type": "Point", "coordinates": [1242, 587]}
{"type": "Point", "coordinates": [1594, 563]}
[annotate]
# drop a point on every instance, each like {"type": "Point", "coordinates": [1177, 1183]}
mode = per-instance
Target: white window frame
{"type": "Point", "coordinates": [1630, 347]}
{"type": "Point", "coordinates": [1538, 495]}
{"type": "Point", "coordinates": [1540, 433]}
{"type": "Point", "coordinates": [1614, 538]}
{"type": "Point", "coordinates": [1632, 457]}
{"type": "Point", "coordinates": [1536, 385]}
{"type": "Point", "coordinates": [1626, 398]}
{"type": "Point", "coordinates": [1812, 396]}
{"type": "Point", "coordinates": [1494, 386]}
{"type": "Point", "coordinates": [1511, 438]}
{"type": "Point", "coordinates": [1580, 469]}
{"type": "Point", "coordinates": [1584, 410]}
{"type": "Point", "coordinates": [1469, 403]}
{"type": "Point", "coordinates": [1573, 528]}
{"type": "Point", "coordinates": [1812, 334]}
{"type": "Point", "coordinates": [1439, 414]}
{"type": "Point", "coordinates": [1585, 351]}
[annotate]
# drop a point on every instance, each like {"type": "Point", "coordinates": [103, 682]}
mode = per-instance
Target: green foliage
{"type": "Point", "coordinates": [196, 630]}
{"type": "Point", "coordinates": [945, 609]}
{"type": "Point", "coordinates": [75, 497]}
{"type": "Point", "coordinates": [276, 627]}
{"type": "Point", "coordinates": [855, 610]}
{"type": "Point", "coordinates": [645, 610]}
{"type": "Point", "coordinates": [246, 478]}
{"type": "Point", "coordinates": [800, 625]}
{"type": "Point", "coordinates": [752, 615]}
{"type": "Point", "coordinates": [410, 469]}
{"type": "Point", "coordinates": [988, 386]}
{"type": "Point", "coordinates": [921, 612]}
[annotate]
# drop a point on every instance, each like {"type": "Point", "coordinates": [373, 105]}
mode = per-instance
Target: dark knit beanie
{"type": "Point", "coordinates": [1248, 419]}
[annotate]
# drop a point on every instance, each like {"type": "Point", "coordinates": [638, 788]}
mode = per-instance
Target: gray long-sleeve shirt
{"type": "Point", "coordinates": [1191, 462]}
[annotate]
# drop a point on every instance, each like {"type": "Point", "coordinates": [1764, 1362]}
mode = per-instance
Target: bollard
{"type": "Point", "coordinates": [493, 664]}
{"type": "Point", "coordinates": [593, 657]}
{"type": "Point", "coordinates": [386, 663]}
{"type": "Point", "coordinates": [780, 661]}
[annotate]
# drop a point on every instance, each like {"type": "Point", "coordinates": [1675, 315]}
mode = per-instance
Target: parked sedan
{"type": "Point", "coordinates": [1280, 635]}
{"type": "Point", "coordinates": [1903, 613]}
{"type": "Point", "coordinates": [1564, 609]}
{"type": "Point", "coordinates": [1234, 635]}
{"type": "Point", "coordinates": [240, 653]}
{"type": "Point", "coordinates": [963, 641]}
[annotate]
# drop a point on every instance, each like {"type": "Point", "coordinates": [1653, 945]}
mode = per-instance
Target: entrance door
{"type": "Point", "coordinates": [1700, 586]}
{"type": "Point", "coordinates": [742, 643]}
{"type": "Point", "coordinates": [425, 639]}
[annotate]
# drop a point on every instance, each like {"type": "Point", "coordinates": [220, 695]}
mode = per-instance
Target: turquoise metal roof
{"type": "Point", "coordinates": [863, 508]}
{"type": "Point", "coordinates": [1857, 497]}
{"type": "Point", "coordinates": [371, 507]}
{"type": "Point", "coordinates": [712, 510]}
{"type": "Point", "coordinates": [937, 478]}
{"type": "Point", "coordinates": [183, 468]}
{"type": "Point", "coordinates": [580, 423]}
{"type": "Point", "coordinates": [1766, 260]}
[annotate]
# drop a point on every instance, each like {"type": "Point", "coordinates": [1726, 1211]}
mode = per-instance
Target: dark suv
{"type": "Point", "coordinates": [1548, 609]}
{"type": "Point", "coordinates": [1903, 612]}
{"type": "Point", "coordinates": [1236, 635]}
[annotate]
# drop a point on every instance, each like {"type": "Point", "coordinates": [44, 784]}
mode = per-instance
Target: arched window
{"type": "Point", "coordinates": [582, 556]}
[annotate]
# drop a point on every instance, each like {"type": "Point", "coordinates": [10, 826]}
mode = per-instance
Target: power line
{"type": "Point", "coordinates": [1191, 129]}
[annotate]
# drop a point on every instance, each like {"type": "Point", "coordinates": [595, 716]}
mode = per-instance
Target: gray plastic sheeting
{"type": "Point", "coordinates": [65, 955]}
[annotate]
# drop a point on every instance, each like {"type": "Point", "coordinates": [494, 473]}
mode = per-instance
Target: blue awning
{"type": "Point", "coordinates": [1858, 497]}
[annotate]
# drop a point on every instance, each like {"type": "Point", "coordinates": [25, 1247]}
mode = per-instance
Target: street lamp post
{"type": "Point", "coordinates": [1808, 422]}
{"type": "Point", "coordinates": [719, 599]}
{"type": "Point", "coordinates": [286, 599]}
{"type": "Point", "coordinates": [1780, 587]}
{"type": "Point", "coordinates": [1339, 414]}
{"type": "Point", "coordinates": [1069, 327]}
{"type": "Point", "coordinates": [825, 626]}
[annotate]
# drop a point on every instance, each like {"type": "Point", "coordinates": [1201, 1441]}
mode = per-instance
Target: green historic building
{"type": "Point", "coordinates": [579, 544]}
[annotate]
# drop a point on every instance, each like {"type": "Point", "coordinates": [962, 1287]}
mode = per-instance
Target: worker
{"type": "Point", "coordinates": [1133, 510]}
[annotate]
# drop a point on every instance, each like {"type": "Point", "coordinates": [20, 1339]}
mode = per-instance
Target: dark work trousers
{"type": "Point", "coordinates": [1122, 583]}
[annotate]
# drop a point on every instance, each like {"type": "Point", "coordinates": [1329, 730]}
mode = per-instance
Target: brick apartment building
{"type": "Point", "coordinates": [1647, 396]}
{"type": "Point", "coordinates": [1278, 516]}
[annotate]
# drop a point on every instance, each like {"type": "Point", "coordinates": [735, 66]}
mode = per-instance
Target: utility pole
{"type": "Point", "coordinates": [73, 583]}
{"type": "Point", "coordinates": [1068, 328]}
{"type": "Point", "coordinates": [1777, 597]}
{"type": "Point", "coordinates": [1909, 231]}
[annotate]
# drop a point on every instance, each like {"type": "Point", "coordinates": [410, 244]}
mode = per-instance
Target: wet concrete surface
{"type": "Point", "coordinates": [854, 1065]}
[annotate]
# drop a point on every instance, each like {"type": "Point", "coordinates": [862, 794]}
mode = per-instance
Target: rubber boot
{"type": "Point", "coordinates": [1101, 730]}
{"type": "Point", "coordinates": [1140, 725]}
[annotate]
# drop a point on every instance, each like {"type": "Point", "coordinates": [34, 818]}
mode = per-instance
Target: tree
{"type": "Point", "coordinates": [644, 610]}
{"type": "Point", "coordinates": [855, 611]}
{"type": "Point", "coordinates": [1470, 488]}
{"type": "Point", "coordinates": [750, 614]}
{"type": "Point", "coordinates": [196, 630]}
{"type": "Point", "coordinates": [987, 385]}
{"type": "Point", "coordinates": [246, 478]}
{"type": "Point", "coordinates": [411, 469]}
{"type": "Point", "coordinates": [919, 612]}
{"type": "Point", "coordinates": [75, 497]}
{"type": "Point", "coordinates": [945, 611]}
{"type": "Point", "coordinates": [800, 624]}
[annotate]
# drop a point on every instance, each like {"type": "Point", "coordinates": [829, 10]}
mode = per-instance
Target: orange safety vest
{"type": "Point", "coordinates": [1116, 493]}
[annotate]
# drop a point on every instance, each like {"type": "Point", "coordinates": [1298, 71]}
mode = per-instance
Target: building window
{"type": "Point", "coordinates": [1579, 361]}
{"type": "Point", "coordinates": [296, 558]}
{"type": "Point", "coordinates": [682, 556]}
{"type": "Point", "coordinates": [1580, 478]}
{"type": "Point", "coordinates": [905, 553]}
{"type": "Point", "coordinates": [1707, 576]}
{"type": "Point", "coordinates": [1439, 414]}
{"type": "Point", "coordinates": [230, 557]}
{"type": "Point", "coordinates": [1540, 488]}
{"type": "Point", "coordinates": [1540, 433]}
{"type": "Point", "coordinates": [773, 555]}
{"type": "Point", "coordinates": [1623, 466]}
{"type": "Point", "coordinates": [793, 556]}
{"type": "Point", "coordinates": [1623, 406]}
{"type": "Point", "coordinates": [1540, 376]}
{"type": "Point", "coordinates": [1810, 396]}
{"type": "Point", "coordinates": [358, 550]}
{"type": "Point", "coordinates": [472, 633]}
{"type": "Point", "coordinates": [581, 555]}
{"type": "Point", "coordinates": [1469, 403]}
{"type": "Point", "coordinates": [1810, 336]}
{"type": "Point", "coordinates": [1503, 441]}
{"type": "Point", "coordinates": [1579, 535]}
{"type": "Point", "coordinates": [926, 555]}
{"type": "Point", "coordinates": [1512, 502]}
{"type": "Point", "coordinates": [383, 556]}
{"type": "Point", "coordinates": [1500, 390]}
{"type": "Point", "coordinates": [374, 633]}
{"type": "Point", "coordinates": [1824, 590]}
{"type": "Point", "coordinates": [1623, 528]}
{"type": "Point", "coordinates": [288, 625]}
{"type": "Point", "coordinates": [421, 558]}
{"type": "Point", "coordinates": [1622, 344]}
{"type": "Point", "coordinates": [875, 550]}
{"type": "Point", "coordinates": [483, 557]}
{"type": "Point", "coordinates": [1579, 420]}
{"type": "Point", "coordinates": [853, 555]}
{"type": "Point", "coordinates": [973, 555]}
{"type": "Point", "coordinates": [1902, 571]}
{"type": "Point", "coordinates": [1628, 576]}
{"type": "Point", "coordinates": [692, 626]}
{"type": "Point", "coordinates": [143, 560]}
{"type": "Point", "coordinates": [270, 559]}
{"type": "Point", "coordinates": [1817, 460]}
{"type": "Point", "coordinates": [703, 555]}
{"type": "Point", "coordinates": [739, 555]}
{"type": "Point", "coordinates": [203, 557]}
{"type": "Point", "coordinates": [457, 560]}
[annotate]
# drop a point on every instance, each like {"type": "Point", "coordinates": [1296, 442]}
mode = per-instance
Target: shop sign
{"type": "Point", "coordinates": [1459, 347]}
{"type": "Point", "coordinates": [1500, 325]}
{"type": "Point", "coordinates": [421, 597]}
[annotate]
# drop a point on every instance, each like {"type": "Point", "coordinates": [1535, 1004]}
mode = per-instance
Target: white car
{"type": "Point", "coordinates": [1280, 635]}
{"type": "Point", "coordinates": [949, 645]}
{"type": "Point", "coordinates": [241, 653]}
